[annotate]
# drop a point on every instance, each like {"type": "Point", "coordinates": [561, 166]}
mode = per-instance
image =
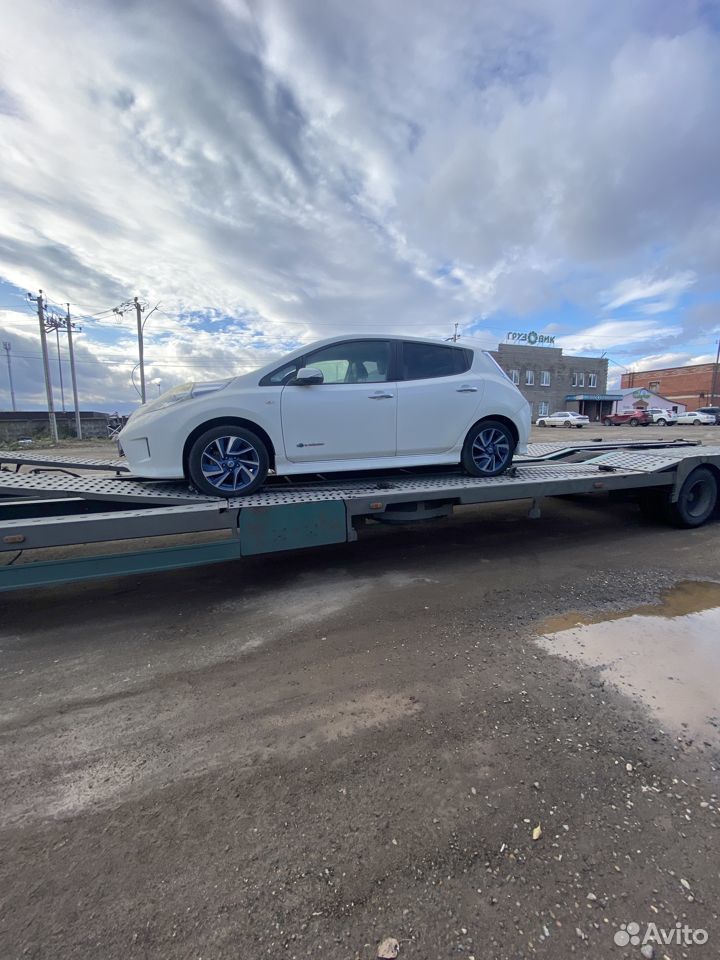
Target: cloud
{"type": "Point", "coordinates": [664, 292]}
{"type": "Point", "coordinates": [617, 335]}
{"type": "Point", "coordinates": [275, 172]}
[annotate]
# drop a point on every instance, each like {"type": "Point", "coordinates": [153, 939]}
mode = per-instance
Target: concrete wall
{"type": "Point", "coordinates": [561, 368]}
{"type": "Point", "coordinates": [13, 426]}
{"type": "Point", "coordinates": [691, 385]}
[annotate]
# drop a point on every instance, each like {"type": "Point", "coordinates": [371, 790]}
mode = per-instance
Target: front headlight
{"type": "Point", "coordinates": [185, 391]}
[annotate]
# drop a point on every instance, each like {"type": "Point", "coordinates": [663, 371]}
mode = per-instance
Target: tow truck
{"type": "Point", "coordinates": [52, 501]}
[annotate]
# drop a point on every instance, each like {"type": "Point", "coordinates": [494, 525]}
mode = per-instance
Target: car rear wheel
{"type": "Point", "coordinates": [568, 425]}
{"type": "Point", "coordinates": [228, 461]}
{"type": "Point", "coordinates": [696, 423]}
{"type": "Point", "coordinates": [634, 422]}
{"type": "Point", "coordinates": [662, 422]}
{"type": "Point", "coordinates": [488, 449]}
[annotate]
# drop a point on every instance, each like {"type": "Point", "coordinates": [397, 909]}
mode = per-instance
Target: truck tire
{"type": "Point", "coordinates": [697, 500]}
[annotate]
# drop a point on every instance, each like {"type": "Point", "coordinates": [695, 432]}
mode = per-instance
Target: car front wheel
{"type": "Point", "coordinates": [228, 461]}
{"type": "Point", "coordinates": [608, 422]}
{"type": "Point", "coordinates": [541, 423]}
{"type": "Point", "coordinates": [662, 422]}
{"type": "Point", "coordinates": [696, 423]}
{"type": "Point", "coordinates": [488, 449]}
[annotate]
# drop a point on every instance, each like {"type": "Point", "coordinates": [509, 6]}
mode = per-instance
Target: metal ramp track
{"type": "Point", "coordinates": [68, 463]}
{"type": "Point", "coordinates": [155, 493]}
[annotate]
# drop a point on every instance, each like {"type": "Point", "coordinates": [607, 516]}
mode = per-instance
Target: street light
{"type": "Point", "coordinates": [157, 381]}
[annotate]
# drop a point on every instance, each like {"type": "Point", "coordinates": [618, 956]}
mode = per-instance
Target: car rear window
{"type": "Point", "coordinates": [423, 361]}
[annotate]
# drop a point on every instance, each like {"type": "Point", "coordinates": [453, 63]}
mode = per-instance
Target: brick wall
{"type": "Point", "coordinates": [691, 385]}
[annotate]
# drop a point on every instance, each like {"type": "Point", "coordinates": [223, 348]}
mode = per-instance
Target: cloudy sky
{"type": "Point", "coordinates": [277, 171]}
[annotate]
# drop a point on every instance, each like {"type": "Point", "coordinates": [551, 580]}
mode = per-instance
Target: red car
{"type": "Point", "coordinates": [636, 418]}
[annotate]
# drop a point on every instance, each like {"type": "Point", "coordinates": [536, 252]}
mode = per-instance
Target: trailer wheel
{"type": "Point", "coordinates": [488, 449]}
{"type": "Point", "coordinates": [228, 461]}
{"type": "Point", "coordinates": [697, 499]}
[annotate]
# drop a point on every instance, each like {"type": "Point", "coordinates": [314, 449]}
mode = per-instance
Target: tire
{"type": "Point", "coordinates": [541, 423]}
{"type": "Point", "coordinates": [696, 423]}
{"type": "Point", "coordinates": [607, 422]}
{"type": "Point", "coordinates": [238, 452]}
{"type": "Point", "coordinates": [568, 425]}
{"type": "Point", "coordinates": [634, 422]}
{"type": "Point", "coordinates": [579, 425]}
{"type": "Point", "coordinates": [662, 422]}
{"type": "Point", "coordinates": [488, 449]}
{"type": "Point", "coordinates": [697, 500]}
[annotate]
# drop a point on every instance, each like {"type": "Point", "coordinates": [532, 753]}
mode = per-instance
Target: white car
{"type": "Point", "coordinates": [695, 417]}
{"type": "Point", "coordinates": [663, 418]}
{"type": "Point", "coordinates": [347, 403]}
{"type": "Point", "coordinates": [564, 418]}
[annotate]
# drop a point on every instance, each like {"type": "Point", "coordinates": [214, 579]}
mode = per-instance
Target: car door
{"type": "Point", "coordinates": [438, 397]}
{"type": "Point", "coordinates": [352, 414]}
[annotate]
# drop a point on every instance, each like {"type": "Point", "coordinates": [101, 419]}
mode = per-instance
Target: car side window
{"type": "Point", "coordinates": [353, 361]}
{"type": "Point", "coordinates": [280, 376]}
{"type": "Point", "coordinates": [423, 361]}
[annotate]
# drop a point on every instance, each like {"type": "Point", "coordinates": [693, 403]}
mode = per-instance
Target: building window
{"type": "Point", "coordinates": [529, 378]}
{"type": "Point", "coordinates": [654, 385]}
{"type": "Point", "coordinates": [574, 378]}
{"type": "Point", "coordinates": [543, 408]}
{"type": "Point", "coordinates": [581, 379]}
{"type": "Point", "coordinates": [592, 379]}
{"type": "Point", "coordinates": [515, 376]}
{"type": "Point", "coordinates": [545, 378]}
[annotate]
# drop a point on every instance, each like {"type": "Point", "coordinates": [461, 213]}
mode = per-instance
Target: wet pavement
{"type": "Point", "coordinates": [667, 655]}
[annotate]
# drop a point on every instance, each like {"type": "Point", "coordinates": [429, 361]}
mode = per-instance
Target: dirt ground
{"type": "Point", "coordinates": [297, 756]}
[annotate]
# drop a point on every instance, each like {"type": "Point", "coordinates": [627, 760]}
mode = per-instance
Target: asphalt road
{"type": "Point", "coordinates": [298, 756]}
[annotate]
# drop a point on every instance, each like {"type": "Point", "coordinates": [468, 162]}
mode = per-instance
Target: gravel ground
{"type": "Point", "coordinates": [300, 755]}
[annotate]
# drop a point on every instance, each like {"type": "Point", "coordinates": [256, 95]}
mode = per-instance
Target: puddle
{"type": "Point", "coordinates": [665, 654]}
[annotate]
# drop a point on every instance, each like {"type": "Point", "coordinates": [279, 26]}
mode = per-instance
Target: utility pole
{"type": "Point", "coordinates": [455, 337]}
{"type": "Point", "coordinates": [73, 377]}
{"type": "Point", "coordinates": [138, 313]}
{"type": "Point", "coordinates": [6, 347]}
{"type": "Point", "coordinates": [46, 365]}
{"type": "Point", "coordinates": [53, 322]}
{"type": "Point", "coordinates": [139, 307]}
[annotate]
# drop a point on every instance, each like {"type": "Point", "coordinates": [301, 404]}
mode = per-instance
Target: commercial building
{"type": "Point", "coordinates": [642, 399]}
{"type": "Point", "coordinates": [696, 385]}
{"type": "Point", "coordinates": [551, 381]}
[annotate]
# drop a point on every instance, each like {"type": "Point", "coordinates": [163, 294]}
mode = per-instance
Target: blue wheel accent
{"type": "Point", "coordinates": [230, 463]}
{"type": "Point", "coordinates": [491, 450]}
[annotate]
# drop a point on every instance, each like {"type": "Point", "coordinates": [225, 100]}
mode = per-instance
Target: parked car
{"type": "Point", "coordinates": [696, 417]}
{"type": "Point", "coordinates": [636, 418]}
{"type": "Point", "coordinates": [715, 411]}
{"type": "Point", "coordinates": [347, 403]}
{"type": "Point", "coordinates": [663, 418]}
{"type": "Point", "coordinates": [564, 418]}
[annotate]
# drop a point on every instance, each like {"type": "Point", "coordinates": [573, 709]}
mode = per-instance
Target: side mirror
{"type": "Point", "coordinates": [307, 377]}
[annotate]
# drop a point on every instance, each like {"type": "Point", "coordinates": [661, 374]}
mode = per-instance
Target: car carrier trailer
{"type": "Point", "coordinates": [49, 502]}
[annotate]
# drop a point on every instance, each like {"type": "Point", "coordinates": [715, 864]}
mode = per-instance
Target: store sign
{"type": "Point", "coordinates": [532, 338]}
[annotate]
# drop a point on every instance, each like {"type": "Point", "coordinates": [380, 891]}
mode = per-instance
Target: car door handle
{"type": "Point", "coordinates": [466, 388]}
{"type": "Point", "coordinates": [381, 396]}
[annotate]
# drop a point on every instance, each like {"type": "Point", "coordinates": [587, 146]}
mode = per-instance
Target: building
{"type": "Point", "coordinates": [641, 399]}
{"type": "Point", "coordinates": [697, 385]}
{"type": "Point", "coordinates": [551, 381]}
{"type": "Point", "coordinates": [35, 424]}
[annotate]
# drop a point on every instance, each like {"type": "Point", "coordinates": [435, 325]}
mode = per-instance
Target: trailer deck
{"type": "Point", "coordinates": [47, 506]}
